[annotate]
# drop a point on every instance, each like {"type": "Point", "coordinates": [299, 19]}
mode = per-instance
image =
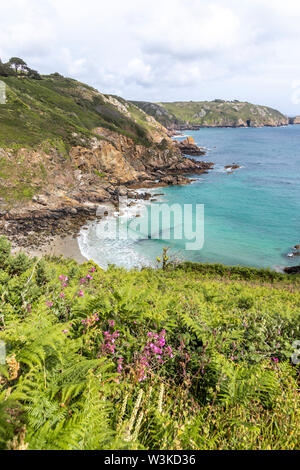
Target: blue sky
{"type": "Point", "coordinates": [164, 50]}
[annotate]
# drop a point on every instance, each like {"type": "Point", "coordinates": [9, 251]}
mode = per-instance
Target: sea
{"type": "Point", "coordinates": [249, 216]}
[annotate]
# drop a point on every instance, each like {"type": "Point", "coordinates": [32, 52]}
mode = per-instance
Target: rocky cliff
{"type": "Point", "coordinates": [217, 113]}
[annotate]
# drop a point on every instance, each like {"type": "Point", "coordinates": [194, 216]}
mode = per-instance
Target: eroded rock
{"type": "Point", "coordinates": [188, 147]}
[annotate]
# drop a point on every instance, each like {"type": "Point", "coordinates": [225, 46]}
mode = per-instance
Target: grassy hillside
{"type": "Point", "coordinates": [64, 109]}
{"type": "Point", "coordinates": [51, 115]}
{"type": "Point", "coordinates": [192, 357]}
{"type": "Point", "coordinates": [212, 113]}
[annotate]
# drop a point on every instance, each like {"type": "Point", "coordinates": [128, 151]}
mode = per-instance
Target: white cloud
{"type": "Point", "coordinates": [162, 50]}
{"type": "Point", "coordinates": [138, 71]}
{"type": "Point", "coordinates": [189, 32]}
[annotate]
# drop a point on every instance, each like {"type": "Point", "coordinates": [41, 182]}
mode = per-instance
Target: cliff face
{"type": "Point", "coordinates": [218, 113]}
{"type": "Point", "coordinates": [109, 159]}
{"type": "Point", "coordinates": [124, 162]}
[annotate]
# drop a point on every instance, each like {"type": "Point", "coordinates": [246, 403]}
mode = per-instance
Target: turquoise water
{"type": "Point", "coordinates": [252, 216]}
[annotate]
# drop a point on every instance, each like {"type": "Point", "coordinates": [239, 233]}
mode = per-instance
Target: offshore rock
{"type": "Point", "coordinates": [188, 147]}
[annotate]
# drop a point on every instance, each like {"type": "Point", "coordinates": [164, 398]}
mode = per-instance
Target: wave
{"type": "Point", "coordinates": [111, 240]}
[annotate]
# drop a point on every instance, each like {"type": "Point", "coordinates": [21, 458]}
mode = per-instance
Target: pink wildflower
{"type": "Point", "coordinates": [120, 366]}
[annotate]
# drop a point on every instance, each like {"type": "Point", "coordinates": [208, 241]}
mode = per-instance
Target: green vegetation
{"type": "Point", "coordinates": [60, 108]}
{"type": "Point", "coordinates": [186, 357]}
{"type": "Point", "coordinates": [212, 113]}
{"type": "Point", "coordinates": [18, 180]}
{"type": "Point", "coordinates": [100, 174]}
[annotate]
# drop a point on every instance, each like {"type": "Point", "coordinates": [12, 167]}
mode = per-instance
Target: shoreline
{"type": "Point", "coordinates": [58, 245]}
{"type": "Point", "coordinates": [174, 130]}
{"type": "Point", "coordinates": [66, 244]}
{"type": "Point", "coordinates": [67, 247]}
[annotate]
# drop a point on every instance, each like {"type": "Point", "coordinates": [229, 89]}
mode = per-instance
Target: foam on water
{"type": "Point", "coordinates": [98, 241]}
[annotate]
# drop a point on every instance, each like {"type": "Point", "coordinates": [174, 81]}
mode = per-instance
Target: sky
{"type": "Point", "coordinates": [163, 50]}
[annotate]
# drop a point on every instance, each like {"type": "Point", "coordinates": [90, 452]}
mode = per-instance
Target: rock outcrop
{"type": "Point", "coordinates": [125, 162]}
{"type": "Point", "coordinates": [234, 166]}
{"type": "Point", "coordinates": [188, 147]}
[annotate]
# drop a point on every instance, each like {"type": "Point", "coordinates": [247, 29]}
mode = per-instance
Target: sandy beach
{"type": "Point", "coordinates": [66, 246]}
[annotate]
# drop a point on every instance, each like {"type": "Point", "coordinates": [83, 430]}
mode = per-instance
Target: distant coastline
{"type": "Point", "coordinates": [194, 115]}
{"type": "Point", "coordinates": [183, 128]}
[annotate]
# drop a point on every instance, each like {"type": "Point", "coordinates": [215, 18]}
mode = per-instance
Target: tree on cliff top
{"type": "Point", "coordinates": [17, 64]}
